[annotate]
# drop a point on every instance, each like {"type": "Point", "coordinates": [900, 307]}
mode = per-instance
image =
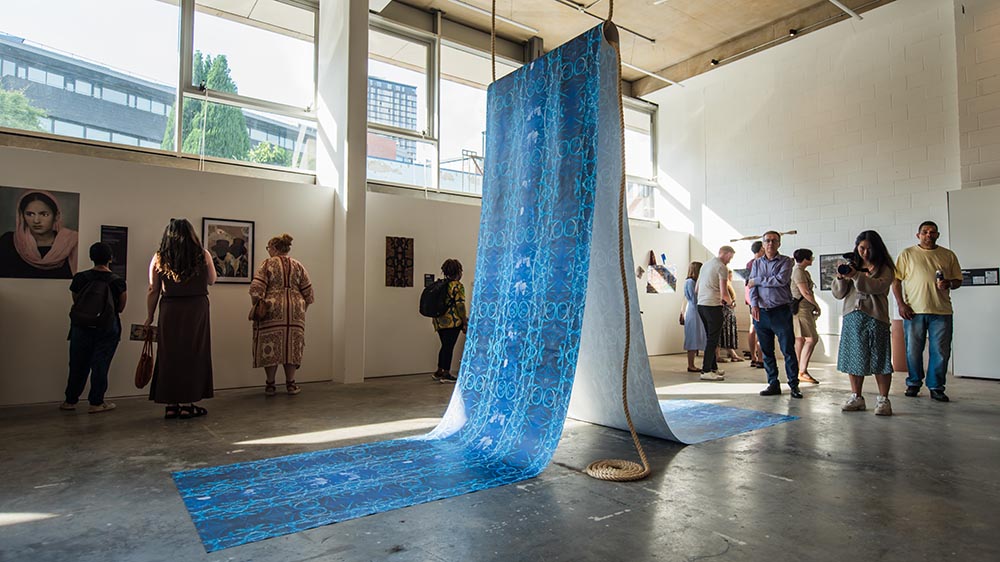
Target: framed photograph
{"type": "Point", "coordinates": [138, 332]}
{"type": "Point", "coordinates": [38, 233]}
{"type": "Point", "coordinates": [231, 244]}
{"type": "Point", "coordinates": [828, 270]}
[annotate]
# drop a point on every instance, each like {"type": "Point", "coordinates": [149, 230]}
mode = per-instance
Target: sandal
{"type": "Point", "coordinates": [291, 388]}
{"type": "Point", "coordinates": [806, 377]}
{"type": "Point", "coordinates": [171, 412]}
{"type": "Point", "coordinates": [693, 370]}
{"type": "Point", "coordinates": [270, 389]}
{"type": "Point", "coordinates": [192, 411]}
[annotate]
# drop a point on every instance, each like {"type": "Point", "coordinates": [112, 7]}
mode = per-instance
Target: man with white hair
{"type": "Point", "coordinates": [712, 296]}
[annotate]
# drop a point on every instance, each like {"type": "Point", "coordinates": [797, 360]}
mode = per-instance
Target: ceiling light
{"type": "Point", "coordinates": [485, 12]}
{"type": "Point", "coordinates": [793, 32]}
{"type": "Point", "coordinates": [650, 74]}
{"type": "Point", "coordinates": [847, 10]}
{"type": "Point", "coordinates": [715, 62]}
{"type": "Point", "coordinates": [658, 2]}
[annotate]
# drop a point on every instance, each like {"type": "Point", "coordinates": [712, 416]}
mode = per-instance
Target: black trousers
{"type": "Point", "coordinates": [712, 318]}
{"type": "Point", "coordinates": [448, 338]}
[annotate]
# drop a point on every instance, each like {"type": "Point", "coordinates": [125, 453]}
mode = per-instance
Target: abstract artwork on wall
{"type": "Point", "coordinates": [398, 261]}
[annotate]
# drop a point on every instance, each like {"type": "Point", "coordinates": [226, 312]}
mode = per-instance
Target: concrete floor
{"type": "Point", "coordinates": [921, 485]}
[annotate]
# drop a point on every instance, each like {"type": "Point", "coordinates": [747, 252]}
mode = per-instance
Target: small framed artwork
{"type": "Point", "coordinates": [230, 242]}
{"type": "Point", "coordinates": [828, 270]}
{"type": "Point", "coordinates": [398, 261]}
{"type": "Point", "coordinates": [117, 238]}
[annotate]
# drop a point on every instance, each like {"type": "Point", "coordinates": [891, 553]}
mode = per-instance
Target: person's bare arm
{"type": "Point", "coordinates": [122, 299]}
{"type": "Point", "coordinates": [904, 309]}
{"type": "Point", "coordinates": [153, 292]}
{"type": "Point", "coordinates": [210, 264]}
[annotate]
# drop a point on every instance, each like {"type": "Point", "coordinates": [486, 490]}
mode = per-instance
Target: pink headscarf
{"type": "Point", "coordinates": [63, 247]}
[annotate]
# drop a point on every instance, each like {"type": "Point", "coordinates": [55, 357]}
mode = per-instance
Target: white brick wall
{"type": "Point", "coordinates": [852, 127]}
{"type": "Point", "coordinates": [977, 30]}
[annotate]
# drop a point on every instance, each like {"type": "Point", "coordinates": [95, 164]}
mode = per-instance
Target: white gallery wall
{"type": "Point", "coordinates": [664, 335]}
{"type": "Point", "coordinates": [849, 128]}
{"type": "Point", "coordinates": [398, 340]}
{"type": "Point", "coordinates": [142, 197]}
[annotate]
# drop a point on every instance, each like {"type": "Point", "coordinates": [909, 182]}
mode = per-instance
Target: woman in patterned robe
{"type": "Point", "coordinates": [280, 338]}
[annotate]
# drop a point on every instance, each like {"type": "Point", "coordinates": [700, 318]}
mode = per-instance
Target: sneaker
{"type": "Point", "coordinates": [102, 407]}
{"type": "Point", "coordinates": [883, 407]}
{"type": "Point", "coordinates": [448, 378]}
{"type": "Point", "coordinates": [67, 406]}
{"type": "Point", "coordinates": [854, 404]}
{"type": "Point", "coordinates": [713, 376]}
{"type": "Point", "coordinates": [912, 391]}
{"type": "Point", "coordinates": [939, 395]}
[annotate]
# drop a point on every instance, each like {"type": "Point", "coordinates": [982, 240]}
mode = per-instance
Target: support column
{"type": "Point", "coordinates": [340, 166]}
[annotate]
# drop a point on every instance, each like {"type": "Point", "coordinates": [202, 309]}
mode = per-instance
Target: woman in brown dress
{"type": "Point", "coordinates": [280, 338]}
{"type": "Point", "coordinates": [179, 276]}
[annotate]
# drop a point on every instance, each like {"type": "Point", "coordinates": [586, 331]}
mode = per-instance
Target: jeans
{"type": "Point", "coordinates": [448, 338]}
{"type": "Point", "coordinates": [773, 322]}
{"type": "Point", "coordinates": [711, 317]}
{"type": "Point", "coordinates": [90, 353]}
{"type": "Point", "coordinates": [939, 328]}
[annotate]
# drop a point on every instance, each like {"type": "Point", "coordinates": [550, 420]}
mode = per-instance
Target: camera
{"type": "Point", "coordinates": [853, 264]}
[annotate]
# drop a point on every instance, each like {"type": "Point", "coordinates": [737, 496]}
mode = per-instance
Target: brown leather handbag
{"type": "Point", "coordinates": [260, 310]}
{"type": "Point", "coordinates": [144, 370]}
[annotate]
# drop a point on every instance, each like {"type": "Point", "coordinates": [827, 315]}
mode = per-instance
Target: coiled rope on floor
{"type": "Point", "coordinates": [616, 470]}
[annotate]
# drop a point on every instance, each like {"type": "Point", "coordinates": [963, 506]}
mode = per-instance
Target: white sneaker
{"type": "Point", "coordinates": [854, 404]}
{"type": "Point", "coordinates": [103, 407]}
{"type": "Point", "coordinates": [713, 376]}
{"type": "Point", "coordinates": [883, 407]}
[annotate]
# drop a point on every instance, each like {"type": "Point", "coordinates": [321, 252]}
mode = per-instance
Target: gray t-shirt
{"type": "Point", "coordinates": [709, 282]}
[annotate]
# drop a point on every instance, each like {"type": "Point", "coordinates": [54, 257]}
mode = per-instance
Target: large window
{"type": "Point", "coordinates": [110, 72]}
{"type": "Point", "coordinates": [402, 148]}
{"type": "Point", "coordinates": [640, 161]}
{"type": "Point", "coordinates": [465, 75]}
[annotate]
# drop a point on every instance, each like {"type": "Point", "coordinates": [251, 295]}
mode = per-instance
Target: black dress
{"type": "Point", "coordinates": [183, 368]}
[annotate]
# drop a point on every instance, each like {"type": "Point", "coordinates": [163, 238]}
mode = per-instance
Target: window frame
{"type": "Point", "coordinates": [185, 52]}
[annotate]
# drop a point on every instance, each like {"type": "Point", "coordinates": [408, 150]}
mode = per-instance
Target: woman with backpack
{"type": "Point", "coordinates": [95, 329]}
{"type": "Point", "coordinates": [281, 292]}
{"type": "Point", "coordinates": [453, 321]}
{"type": "Point", "coordinates": [179, 276]}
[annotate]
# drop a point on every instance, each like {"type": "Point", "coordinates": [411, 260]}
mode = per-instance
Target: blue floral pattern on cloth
{"type": "Point", "coordinates": [507, 412]}
{"type": "Point", "coordinates": [700, 422]}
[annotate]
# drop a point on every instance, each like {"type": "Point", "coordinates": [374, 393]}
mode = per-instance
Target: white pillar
{"type": "Point", "coordinates": [340, 166]}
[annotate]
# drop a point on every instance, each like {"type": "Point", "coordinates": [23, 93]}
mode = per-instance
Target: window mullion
{"type": "Point", "coordinates": [186, 50]}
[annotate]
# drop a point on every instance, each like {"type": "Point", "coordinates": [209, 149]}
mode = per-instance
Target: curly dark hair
{"type": "Point", "coordinates": [181, 256]}
{"type": "Point", "coordinates": [451, 268]}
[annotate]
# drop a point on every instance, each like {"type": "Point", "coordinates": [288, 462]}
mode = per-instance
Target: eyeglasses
{"type": "Point", "coordinates": [770, 240]}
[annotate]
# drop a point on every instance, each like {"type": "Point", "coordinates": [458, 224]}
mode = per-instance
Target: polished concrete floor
{"type": "Point", "coordinates": [921, 485]}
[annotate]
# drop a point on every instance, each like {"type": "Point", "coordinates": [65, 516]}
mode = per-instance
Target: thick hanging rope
{"type": "Point", "coordinates": [618, 470]}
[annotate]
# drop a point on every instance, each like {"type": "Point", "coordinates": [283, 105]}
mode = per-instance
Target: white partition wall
{"type": "Point", "coordinates": [974, 234]}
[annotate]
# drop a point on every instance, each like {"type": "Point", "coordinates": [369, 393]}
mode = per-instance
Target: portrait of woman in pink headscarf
{"type": "Point", "coordinates": [40, 246]}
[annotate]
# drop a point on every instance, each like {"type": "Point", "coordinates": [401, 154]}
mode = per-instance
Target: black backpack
{"type": "Point", "coordinates": [435, 300]}
{"type": "Point", "coordinates": [94, 306]}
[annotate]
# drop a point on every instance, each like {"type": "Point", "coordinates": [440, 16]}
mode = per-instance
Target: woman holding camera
{"type": "Point", "coordinates": [864, 286]}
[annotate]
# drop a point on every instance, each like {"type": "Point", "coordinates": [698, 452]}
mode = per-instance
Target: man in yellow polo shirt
{"type": "Point", "coordinates": [925, 276]}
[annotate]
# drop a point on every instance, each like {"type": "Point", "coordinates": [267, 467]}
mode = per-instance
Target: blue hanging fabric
{"type": "Point", "coordinates": [543, 158]}
{"type": "Point", "coordinates": [548, 251]}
